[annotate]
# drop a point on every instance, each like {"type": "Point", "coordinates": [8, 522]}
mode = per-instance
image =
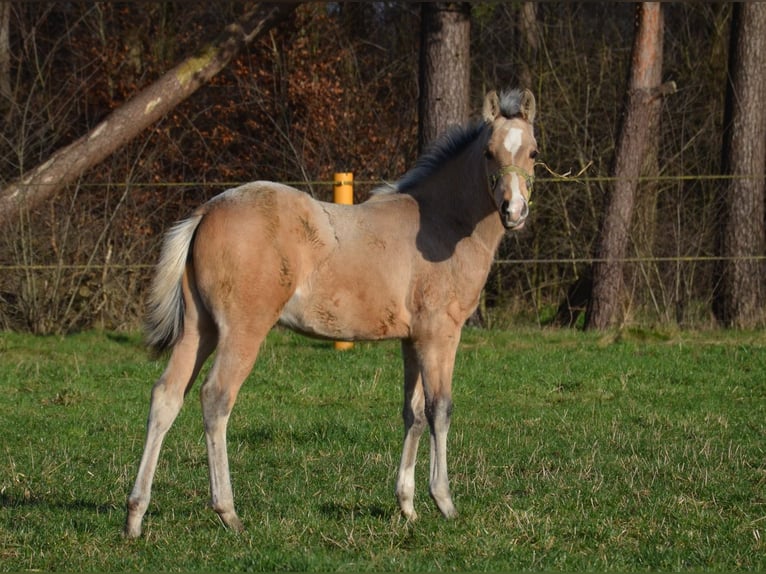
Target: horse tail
{"type": "Point", "coordinates": [165, 306]}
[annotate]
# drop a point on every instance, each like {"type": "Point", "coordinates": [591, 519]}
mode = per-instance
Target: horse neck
{"type": "Point", "coordinates": [458, 193]}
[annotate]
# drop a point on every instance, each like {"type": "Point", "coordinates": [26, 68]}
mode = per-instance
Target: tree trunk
{"type": "Point", "coordinates": [445, 68]}
{"type": "Point", "coordinates": [640, 121]}
{"type": "Point", "coordinates": [529, 42]}
{"type": "Point", "coordinates": [445, 75]}
{"type": "Point", "coordinates": [5, 52]}
{"type": "Point", "coordinates": [126, 122]}
{"type": "Point", "coordinates": [739, 290]}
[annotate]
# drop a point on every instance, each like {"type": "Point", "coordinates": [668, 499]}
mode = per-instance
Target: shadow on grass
{"type": "Point", "coordinates": [344, 511]}
{"type": "Point", "coordinates": [10, 501]}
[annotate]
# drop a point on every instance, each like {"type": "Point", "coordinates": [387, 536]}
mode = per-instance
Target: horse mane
{"type": "Point", "coordinates": [450, 144]}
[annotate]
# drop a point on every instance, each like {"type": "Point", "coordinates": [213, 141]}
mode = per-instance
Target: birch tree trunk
{"type": "Point", "coordinates": [641, 119]}
{"type": "Point", "coordinates": [126, 122]}
{"type": "Point", "coordinates": [740, 292]}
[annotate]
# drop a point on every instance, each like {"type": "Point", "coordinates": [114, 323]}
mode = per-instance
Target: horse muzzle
{"type": "Point", "coordinates": [514, 214]}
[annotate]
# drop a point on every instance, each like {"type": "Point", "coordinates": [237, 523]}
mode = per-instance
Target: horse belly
{"type": "Point", "coordinates": [354, 288]}
{"type": "Point", "coordinates": [345, 314]}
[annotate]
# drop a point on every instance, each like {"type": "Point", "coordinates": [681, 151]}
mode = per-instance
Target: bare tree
{"type": "Point", "coordinates": [740, 292]}
{"type": "Point", "coordinates": [66, 165]}
{"type": "Point", "coordinates": [639, 122]}
{"type": "Point", "coordinates": [445, 74]}
{"type": "Point", "coordinates": [445, 68]}
{"type": "Point", "coordinates": [5, 51]}
{"type": "Point", "coordinates": [529, 41]}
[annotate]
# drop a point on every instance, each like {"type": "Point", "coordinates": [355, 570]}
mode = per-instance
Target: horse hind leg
{"type": "Point", "coordinates": [195, 345]}
{"type": "Point", "coordinates": [234, 360]}
{"type": "Point", "coordinates": [167, 398]}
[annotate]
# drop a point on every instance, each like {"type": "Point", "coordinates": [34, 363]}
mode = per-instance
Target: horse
{"type": "Point", "coordinates": [409, 263]}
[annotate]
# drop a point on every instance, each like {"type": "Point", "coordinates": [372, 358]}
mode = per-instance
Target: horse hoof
{"type": "Point", "coordinates": [231, 521]}
{"type": "Point", "coordinates": [409, 516]}
{"type": "Point", "coordinates": [131, 532]}
{"type": "Point", "coordinates": [447, 509]}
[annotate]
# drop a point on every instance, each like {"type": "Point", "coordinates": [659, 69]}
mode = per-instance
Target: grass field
{"type": "Point", "coordinates": [568, 451]}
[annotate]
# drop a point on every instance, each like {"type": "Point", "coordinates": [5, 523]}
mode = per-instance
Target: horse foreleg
{"type": "Point", "coordinates": [218, 394]}
{"type": "Point", "coordinates": [438, 415]}
{"type": "Point", "coordinates": [413, 414]}
{"type": "Point", "coordinates": [167, 398]}
{"type": "Point", "coordinates": [437, 362]}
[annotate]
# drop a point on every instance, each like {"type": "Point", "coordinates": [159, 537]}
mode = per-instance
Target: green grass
{"type": "Point", "coordinates": [568, 451]}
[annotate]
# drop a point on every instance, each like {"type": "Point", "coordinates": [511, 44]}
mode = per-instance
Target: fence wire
{"type": "Point", "coordinates": [534, 261]}
{"type": "Point", "coordinates": [557, 178]}
{"type": "Point", "coordinates": [372, 183]}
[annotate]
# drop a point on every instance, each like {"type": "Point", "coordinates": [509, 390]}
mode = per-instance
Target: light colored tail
{"type": "Point", "coordinates": [165, 306]}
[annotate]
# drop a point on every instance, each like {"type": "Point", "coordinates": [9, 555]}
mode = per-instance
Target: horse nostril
{"type": "Point", "coordinates": [524, 210]}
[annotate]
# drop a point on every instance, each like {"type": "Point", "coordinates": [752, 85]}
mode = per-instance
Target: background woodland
{"type": "Point", "coordinates": [335, 87]}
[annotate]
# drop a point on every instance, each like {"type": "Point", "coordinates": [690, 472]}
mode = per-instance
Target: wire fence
{"type": "Point", "coordinates": [537, 276]}
{"type": "Point", "coordinates": [532, 261]}
{"type": "Point", "coordinates": [374, 183]}
{"type": "Point", "coordinates": [554, 178]}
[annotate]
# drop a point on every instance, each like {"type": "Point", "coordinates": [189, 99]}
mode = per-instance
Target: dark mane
{"type": "Point", "coordinates": [453, 142]}
{"type": "Point", "coordinates": [446, 147]}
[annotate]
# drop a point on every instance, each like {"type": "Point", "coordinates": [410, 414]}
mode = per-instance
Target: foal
{"type": "Point", "coordinates": [409, 263]}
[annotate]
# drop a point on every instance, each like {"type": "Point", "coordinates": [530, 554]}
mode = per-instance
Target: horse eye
{"type": "Point", "coordinates": [487, 153]}
{"type": "Point", "coordinates": [533, 154]}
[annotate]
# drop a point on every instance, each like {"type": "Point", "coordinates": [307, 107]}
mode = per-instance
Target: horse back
{"type": "Point", "coordinates": [323, 269]}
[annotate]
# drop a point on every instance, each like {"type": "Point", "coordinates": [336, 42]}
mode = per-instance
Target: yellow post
{"type": "Point", "coordinates": [343, 192]}
{"type": "Point", "coordinates": [343, 188]}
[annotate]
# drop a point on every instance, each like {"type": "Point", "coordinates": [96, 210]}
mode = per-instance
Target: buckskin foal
{"type": "Point", "coordinates": [409, 263]}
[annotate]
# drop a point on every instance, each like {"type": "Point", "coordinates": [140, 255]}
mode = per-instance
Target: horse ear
{"type": "Point", "coordinates": [528, 106]}
{"type": "Point", "coordinates": [491, 107]}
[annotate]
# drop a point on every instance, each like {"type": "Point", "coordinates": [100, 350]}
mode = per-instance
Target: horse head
{"type": "Point", "coordinates": [510, 153]}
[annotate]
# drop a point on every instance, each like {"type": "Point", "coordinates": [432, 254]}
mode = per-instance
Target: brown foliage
{"type": "Point", "coordinates": [335, 88]}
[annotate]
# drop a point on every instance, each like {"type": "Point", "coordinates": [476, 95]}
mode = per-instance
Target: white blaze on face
{"type": "Point", "coordinates": [512, 141]}
{"type": "Point", "coordinates": [517, 203]}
